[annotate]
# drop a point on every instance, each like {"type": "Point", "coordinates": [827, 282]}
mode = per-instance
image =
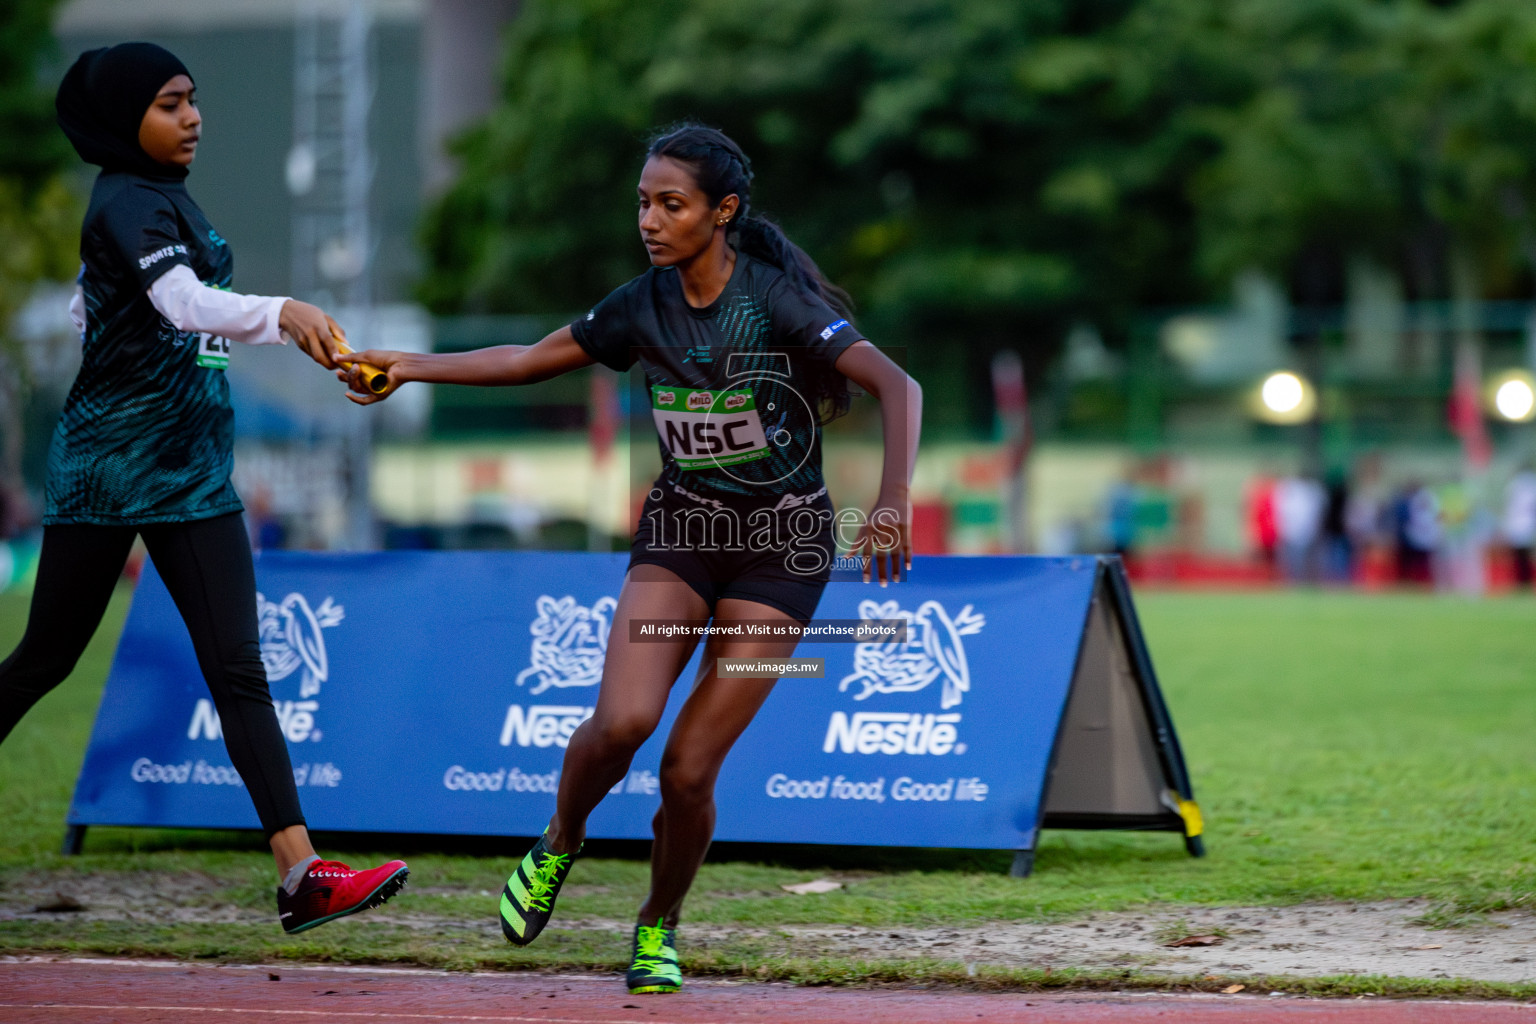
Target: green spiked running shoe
{"type": "Point", "coordinates": [653, 968]}
{"type": "Point", "coordinates": [528, 898]}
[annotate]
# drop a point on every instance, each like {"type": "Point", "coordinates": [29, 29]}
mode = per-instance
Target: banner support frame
{"type": "Point", "coordinates": [1024, 859]}
{"type": "Point", "coordinates": [74, 840]}
{"type": "Point", "coordinates": [1113, 586]}
{"type": "Point", "coordinates": [1166, 739]}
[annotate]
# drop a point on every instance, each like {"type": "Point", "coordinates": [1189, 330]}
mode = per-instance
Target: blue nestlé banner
{"type": "Point", "coordinates": [435, 692]}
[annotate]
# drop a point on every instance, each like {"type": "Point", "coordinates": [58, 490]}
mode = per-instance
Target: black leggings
{"type": "Point", "coordinates": [206, 566]}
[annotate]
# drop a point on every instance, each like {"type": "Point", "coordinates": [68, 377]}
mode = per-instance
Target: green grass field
{"type": "Point", "coordinates": [1343, 747]}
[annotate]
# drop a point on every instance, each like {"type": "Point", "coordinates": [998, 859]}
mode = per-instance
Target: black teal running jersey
{"type": "Point", "coordinates": [727, 383]}
{"type": "Point", "coordinates": [147, 432]}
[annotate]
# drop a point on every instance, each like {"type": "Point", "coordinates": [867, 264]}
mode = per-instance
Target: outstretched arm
{"type": "Point", "coordinates": [886, 537]}
{"type": "Point", "coordinates": [498, 366]}
{"type": "Point", "coordinates": [191, 305]}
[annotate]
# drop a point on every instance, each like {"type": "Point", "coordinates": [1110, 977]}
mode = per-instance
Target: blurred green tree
{"type": "Point", "coordinates": [39, 215]}
{"type": "Point", "coordinates": [989, 173]}
{"type": "Point", "coordinates": [971, 171]}
{"type": "Point", "coordinates": [1401, 131]}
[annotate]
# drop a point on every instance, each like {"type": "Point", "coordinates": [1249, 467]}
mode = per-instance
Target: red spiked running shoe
{"type": "Point", "coordinates": [330, 890]}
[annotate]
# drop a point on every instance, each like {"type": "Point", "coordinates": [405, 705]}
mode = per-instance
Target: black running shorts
{"type": "Point", "coordinates": [778, 555]}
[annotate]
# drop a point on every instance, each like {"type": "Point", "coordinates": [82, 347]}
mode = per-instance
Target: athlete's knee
{"type": "Point", "coordinates": [687, 781]}
{"type": "Point", "coordinates": [621, 733]}
{"type": "Point", "coordinates": [32, 674]}
{"type": "Point", "coordinates": [244, 676]}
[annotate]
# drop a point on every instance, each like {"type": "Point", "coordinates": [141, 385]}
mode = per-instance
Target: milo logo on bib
{"type": "Point", "coordinates": [705, 429]}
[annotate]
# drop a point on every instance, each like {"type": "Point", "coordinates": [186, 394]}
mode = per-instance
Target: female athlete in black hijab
{"type": "Point", "coordinates": [145, 444]}
{"type": "Point", "coordinates": [745, 347]}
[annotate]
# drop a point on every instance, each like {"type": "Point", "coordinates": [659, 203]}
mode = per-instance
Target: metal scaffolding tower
{"type": "Point", "coordinates": [330, 177]}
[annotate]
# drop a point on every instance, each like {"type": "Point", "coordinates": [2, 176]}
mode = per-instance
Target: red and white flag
{"type": "Point", "coordinates": [1465, 409]}
{"type": "Point", "coordinates": [602, 414]}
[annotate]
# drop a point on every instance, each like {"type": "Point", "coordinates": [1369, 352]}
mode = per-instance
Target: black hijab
{"type": "Point", "coordinates": [102, 101]}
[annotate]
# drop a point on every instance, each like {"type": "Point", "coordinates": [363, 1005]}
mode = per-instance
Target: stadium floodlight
{"type": "Point", "coordinates": [1511, 396]}
{"type": "Point", "coordinates": [1284, 397]}
{"type": "Point", "coordinates": [1282, 393]}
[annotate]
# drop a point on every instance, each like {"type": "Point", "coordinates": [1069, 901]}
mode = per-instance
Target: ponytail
{"type": "Point", "coordinates": [720, 169]}
{"type": "Point", "coordinates": [762, 239]}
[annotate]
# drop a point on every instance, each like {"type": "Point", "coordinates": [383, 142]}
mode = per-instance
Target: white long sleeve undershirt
{"type": "Point", "coordinates": [191, 305]}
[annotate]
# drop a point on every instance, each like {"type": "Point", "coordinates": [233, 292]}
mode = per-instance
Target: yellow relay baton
{"type": "Point", "coordinates": [376, 379]}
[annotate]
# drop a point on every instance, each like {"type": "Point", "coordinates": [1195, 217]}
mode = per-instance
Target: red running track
{"type": "Point", "coordinates": [138, 992]}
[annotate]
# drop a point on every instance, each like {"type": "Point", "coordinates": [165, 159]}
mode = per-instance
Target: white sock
{"type": "Point", "coordinates": [296, 874]}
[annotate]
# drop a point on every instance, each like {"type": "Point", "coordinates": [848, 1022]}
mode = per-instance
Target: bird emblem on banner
{"type": "Point", "coordinates": [933, 648]}
{"type": "Point", "coordinates": [570, 641]}
{"type": "Point", "coordinates": [291, 635]}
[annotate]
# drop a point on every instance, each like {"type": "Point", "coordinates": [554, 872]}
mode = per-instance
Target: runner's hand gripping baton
{"type": "Point", "coordinates": [376, 379]}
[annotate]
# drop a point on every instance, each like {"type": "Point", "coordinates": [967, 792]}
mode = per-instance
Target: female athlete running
{"type": "Point", "coordinates": [744, 345]}
{"type": "Point", "coordinates": [144, 446]}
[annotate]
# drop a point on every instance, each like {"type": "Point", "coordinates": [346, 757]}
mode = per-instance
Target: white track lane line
{"type": "Point", "coordinates": [293, 965]}
{"type": "Point", "coordinates": [333, 1014]}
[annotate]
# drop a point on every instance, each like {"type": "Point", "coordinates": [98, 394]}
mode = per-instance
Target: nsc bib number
{"type": "Point", "coordinates": [707, 429]}
{"type": "Point", "coordinates": [212, 352]}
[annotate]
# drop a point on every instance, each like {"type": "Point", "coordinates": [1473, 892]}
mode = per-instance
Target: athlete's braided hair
{"type": "Point", "coordinates": [721, 169]}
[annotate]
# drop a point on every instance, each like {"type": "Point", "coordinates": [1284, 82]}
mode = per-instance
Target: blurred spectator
{"type": "Point", "coordinates": [1120, 518]}
{"type": "Point", "coordinates": [265, 528]}
{"type": "Point", "coordinates": [1189, 522]}
{"type": "Point", "coordinates": [1519, 525]}
{"type": "Point", "coordinates": [16, 515]}
{"type": "Point", "coordinates": [1262, 535]}
{"type": "Point", "coordinates": [1067, 537]}
{"type": "Point", "coordinates": [1154, 502]}
{"type": "Point", "coordinates": [1465, 529]}
{"type": "Point", "coordinates": [1416, 532]}
{"type": "Point", "coordinates": [1299, 504]}
{"type": "Point", "coordinates": [1338, 554]}
{"type": "Point", "coordinates": [1365, 512]}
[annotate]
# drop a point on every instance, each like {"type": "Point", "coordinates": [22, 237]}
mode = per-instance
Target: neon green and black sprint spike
{"type": "Point", "coordinates": [653, 967]}
{"type": "Point", "coordinates": [528, 898]}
